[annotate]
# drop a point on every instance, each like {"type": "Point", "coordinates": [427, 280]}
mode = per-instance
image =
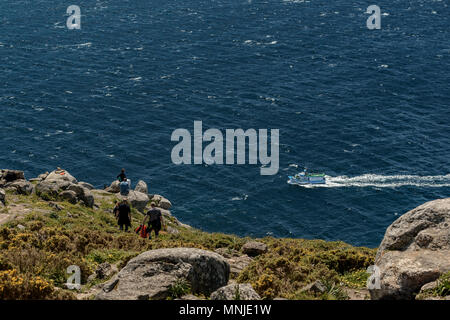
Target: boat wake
{"type": "Point", "coordinates": [381, 181]}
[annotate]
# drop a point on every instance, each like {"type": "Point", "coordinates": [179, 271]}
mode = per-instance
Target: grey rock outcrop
{"type": "Point", "coordinates": [141, 186]}
{"type": "Point", "coordinates": [235, 292]}
{"type": "Point", "coordinates": [7, 175]}
{"type": "Point", "coordinates": [114, 187]}
{"type": "Point", "coordinates": [161, 202]}
{"type": "Point", "coordinates": [49, 189]}
{"type": "Point", "coordinates": [254, 248]}
{"type": "Point", "coordinates": [69, 196]}
{"type": "Point", "coordinates": [60, 184]}
{"type": "Point", "coordinates": [151, 274]}
{"type": "Point", "coordinates": [60, 175]}
{"type": "Point", "coordinates": [88, 198]}
{"type": "Point", "coordinates": [165, 204]}
{"type": "Point", "coordinates": [78, 189]}
{"type": "Point", "coordinates": [138, 200]}
{"type": "Point", "coordinates": [21, 187]}
{"type": "Point", "coordinates": [83, 194]}
{"type": "Point", "coordinates": [415, 250]}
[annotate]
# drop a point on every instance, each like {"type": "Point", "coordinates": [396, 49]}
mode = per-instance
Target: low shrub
{"type": "Point", "coordinates": [19, 287]}
{"type": "Point", "coordinates": [291, 264]}
{"type": "Point", "coordinates": [356, 279]}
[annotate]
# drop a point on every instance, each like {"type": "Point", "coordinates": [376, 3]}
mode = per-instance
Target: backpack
{"type": "Point", "coordinates": [142, 230]}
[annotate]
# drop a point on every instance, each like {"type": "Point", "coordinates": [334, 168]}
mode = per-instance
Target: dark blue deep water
{"type": "Point", "coordinates": [370, 108]}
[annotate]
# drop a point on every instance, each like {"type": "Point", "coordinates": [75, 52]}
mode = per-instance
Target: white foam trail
{"type": "Point", "coordinates": [381, 181]}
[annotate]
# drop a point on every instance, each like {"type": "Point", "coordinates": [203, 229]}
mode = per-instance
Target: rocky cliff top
{"type": "Point", "coordinates": [53, 221]}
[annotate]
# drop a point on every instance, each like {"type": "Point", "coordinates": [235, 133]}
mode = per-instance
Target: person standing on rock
{"type": "Point", "coordinates": [122, 176]}
{"type": "Point", "coordinates": [124, 215]}
{"type": "Point", "coordinates": [155, 220]}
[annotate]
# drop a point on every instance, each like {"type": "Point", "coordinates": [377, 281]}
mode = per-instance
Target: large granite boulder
{"type": "Point", "coordinates": [69, 196]}
{"type": "Point", "coordinates": [235, 292]}
{"type": "Point", "coordinates": [137, 200]}
{"type": "Point", "coordinates": [60, 175]}
{"type": "Point", "coordinates": [114, 187]}
{"type": "Point", "coordinates": [78, 189]}
{"type": "Point", "coordinates": [161, 201]}
{"type": "Point", "coordinates": [152, 274]}
{"type": "Point", "coordinates": [415, 250]}
{"type": "Point", "coordinates": [88, 198]}
{"type": "Point", "coordinates": [83, 194]}
{"type": "Point", "coordinates": [141, 186]}
{"type": "Point", "coordinates": [21, 187]}
{"type": "Point", "coordinates": [165, 203]}
{"type": "Point", "coordinates": [49, 189]}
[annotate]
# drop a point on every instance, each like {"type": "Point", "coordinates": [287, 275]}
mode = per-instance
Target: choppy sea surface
{"type": "Point", "coordinates": [370, 108]}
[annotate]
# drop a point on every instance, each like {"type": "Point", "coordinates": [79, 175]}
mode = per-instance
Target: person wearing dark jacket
{"type": "Point", "coordinates": [124, 215]}
{"type": "Point", "coordinates": [155, 221]}
{"type": "Point", "coordinates": [122, 176]}
{"type": "Point", "coordinates": [116, 209]}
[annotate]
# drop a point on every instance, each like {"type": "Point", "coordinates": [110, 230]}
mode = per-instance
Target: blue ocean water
{"type": "Point", "coordinates": [370, 108]}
